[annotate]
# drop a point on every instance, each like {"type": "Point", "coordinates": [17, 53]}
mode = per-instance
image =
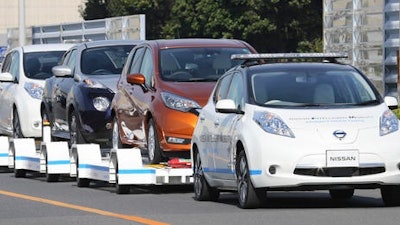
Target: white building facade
{"type": "Point", "coordinates": [368, 30]}
{"type": "Point", "coordinates": [37, 13]}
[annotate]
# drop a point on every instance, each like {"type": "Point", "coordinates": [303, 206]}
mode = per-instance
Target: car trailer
{"type": "Point", "coordinates": [88, 162]}
{"type": "Point", "coordinates": [4, 147]}
{"type": "Point", "coordinates": [125, 167]}
{"type": "Point", "coordinates": [26, 155]}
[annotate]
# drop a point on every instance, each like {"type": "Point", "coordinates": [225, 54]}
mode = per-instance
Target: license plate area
{"type": "Point", "coordinates": [342, 158]}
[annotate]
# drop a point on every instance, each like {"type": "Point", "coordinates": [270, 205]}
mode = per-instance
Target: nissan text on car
{"type": "Point", "coordinates": [283, 122]}
{"type": "Point", "coordinates": [163, 84]}
{"type": "Point", "coordinates": [22, 79]}
{"type": "Point", "coordinates": [76, 100]}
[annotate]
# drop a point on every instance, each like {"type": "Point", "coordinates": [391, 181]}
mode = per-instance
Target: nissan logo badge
{"type": "Point", "coordinates": [339, 134]}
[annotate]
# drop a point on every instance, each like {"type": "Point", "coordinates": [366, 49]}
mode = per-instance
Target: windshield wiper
{"type": "Point", "coordinates": [201, 79]}
{"type": "Point", "coordinates": [370, 102]}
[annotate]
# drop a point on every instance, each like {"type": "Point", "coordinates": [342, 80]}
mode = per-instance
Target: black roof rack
{"type": "Point", "coordinates": [252, 58]}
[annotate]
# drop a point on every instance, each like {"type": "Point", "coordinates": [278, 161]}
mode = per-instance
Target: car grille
{"type": "Point", "coordinates": [339, 171]}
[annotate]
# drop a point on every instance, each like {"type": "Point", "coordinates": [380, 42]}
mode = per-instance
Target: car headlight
{"type": "Point", "coordinates": [179, 103]}
{"type": "Point", "coordinates": [34, 90]}
{"type": "Point", "coordinates": [101, 103]}
{"type": "Point", "coordinates": [93, 84]}
{"type": "Point", "coordinates": [272, 124]}
{"type": "Point", "coordinates": [388, 123]}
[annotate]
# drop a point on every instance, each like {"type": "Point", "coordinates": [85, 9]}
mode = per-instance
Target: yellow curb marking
{"type": "Point", "coordinates": [83, 208]}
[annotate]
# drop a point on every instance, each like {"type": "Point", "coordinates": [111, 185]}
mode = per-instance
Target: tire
{"type": "Point", "coordinates": [17, 131]}
{"type": "Point", "coordinates": [153, 145]}
{"type": "Point", "coordinates": [18, 173]}
{"type": "Point", "coordinates": [341, 194]}
{"type": "Point", "coordinates": [120, 189]}
{"type": "Point", "coordinates": [116, 138]}
{"type": "Point", "coordinates": [51, 177]}
{"type": "Point", "coordinates": [248, 196]}
{"type": "Point", "coordinates": [81, 182]}
{"type": "Point", "coordinates": [391, 195]}
{"type": "Point", "coordinates": [202, 191]}
{"type": "Point", "coordinates": [75, 133]}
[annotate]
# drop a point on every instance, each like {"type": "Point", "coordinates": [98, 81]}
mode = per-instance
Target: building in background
{"type": "Point", "coordinates": [38, 12]}
{"type": "Point", "coordinates": [368, 30]}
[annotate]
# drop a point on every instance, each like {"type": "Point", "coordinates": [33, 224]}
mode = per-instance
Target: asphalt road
{"type": "Point", "coordinates": [33, 201]}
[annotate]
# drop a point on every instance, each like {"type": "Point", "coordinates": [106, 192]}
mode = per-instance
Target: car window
{"type": "Point", "coordinates": [222, 88]}
{"type": "Point", "coordinates": [197, 64]}
{"type": "Point", "coordinates": [147, 68]}
{"type": "Point", "coordinates": [104, 60]}
{"type": "Point", "coordinates": [236, 91]}
{"type": "Point", "coordinates": [7, 63]}
{"type": "Point", "coordinates": [312, 87]}
{"type": "Point", "coordinates": [137, 59]}
{"type": "Point", "coordinates": [38, 65]}
{"type": "Point", "coordinates": [14, 65]}
{"type": "Point", "coordinates": [70, 60]}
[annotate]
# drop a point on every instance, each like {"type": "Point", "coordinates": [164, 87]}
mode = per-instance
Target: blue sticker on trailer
{"type": "Point", "coordinates": [25, 158]}
{"type": "Point", "coordinates": [88, 166]}
{"type": "Point", "coordinates": [58, 162]}
{"type": "Point", "coordinates": [137, 171]}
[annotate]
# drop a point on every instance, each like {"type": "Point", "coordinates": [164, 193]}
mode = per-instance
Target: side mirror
{"type": "Point", "coordinates": [226, 106]}
{"type": "Point", "coordinates": [391, 102]}
{"type": "Point", "coordinates": [6, 77]}
{"type": "Point", "coordinates": [138, 79]}
{"type": "Point", "coordinates": [62, 71]}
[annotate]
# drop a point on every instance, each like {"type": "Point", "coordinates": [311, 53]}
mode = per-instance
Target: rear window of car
{"type": "Point", "coordinates": [38, 65]}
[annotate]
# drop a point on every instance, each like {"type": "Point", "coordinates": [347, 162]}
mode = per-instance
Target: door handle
{"type": "Point", "coordinates": [216, 123]}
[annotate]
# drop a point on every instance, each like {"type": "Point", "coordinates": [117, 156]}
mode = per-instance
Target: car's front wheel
{"type": "Point", "coordinates": [391, 195]}
{"type": "Point", "coordinates": [75, 133]}
{"type": "Point", "coordinates": [248, 196]}
{"type": "Point", "coordinates": [202, 191]}
{"type": "Point", "coordinates": [153, 145]}
{"type": "Point", "coordinates": [17, 130]}
{"type": "Point", "coordinates": [116, 138]}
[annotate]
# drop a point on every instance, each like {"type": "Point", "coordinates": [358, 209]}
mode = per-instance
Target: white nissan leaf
{"type": "Point", "coordinates": [21, 86]}
{"type": "Point", "coordinates": [285, 122]}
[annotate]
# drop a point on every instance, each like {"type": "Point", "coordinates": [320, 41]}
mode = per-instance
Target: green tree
{"type": "Point", "coordinates": [268, 25]}
{"type": "Point", "coordinates": [93, 9]}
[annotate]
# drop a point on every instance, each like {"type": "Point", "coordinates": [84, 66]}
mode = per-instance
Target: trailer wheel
{"type": "Point", "coordinates": [18, 173]}
{"type": "Point", "coordinates": [80, 182]}
{"type": "Point", "coordinates": [120, 189]}
{"type": "Point", "coordinates": [50, 177]}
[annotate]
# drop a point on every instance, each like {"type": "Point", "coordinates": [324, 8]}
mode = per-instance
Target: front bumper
{"type": "Point", "coordinates": [301, 162]}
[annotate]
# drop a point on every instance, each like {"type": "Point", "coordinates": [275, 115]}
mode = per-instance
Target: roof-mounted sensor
{"type": "Point", "coordinates": [329, 57]}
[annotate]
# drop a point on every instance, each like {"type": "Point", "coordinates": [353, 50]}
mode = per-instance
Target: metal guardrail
{"type": "Point", "coordinates": [126, 27]}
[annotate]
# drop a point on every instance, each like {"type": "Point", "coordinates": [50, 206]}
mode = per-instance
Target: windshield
{"type": "Point", "coordinates": [37, 65]}
{"type": "Point", "coordinates": [197, 64]}
{"type": "Point", "coordinates": [104, 60]}
{"type": "Point", "coordinates": [312, 88]}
